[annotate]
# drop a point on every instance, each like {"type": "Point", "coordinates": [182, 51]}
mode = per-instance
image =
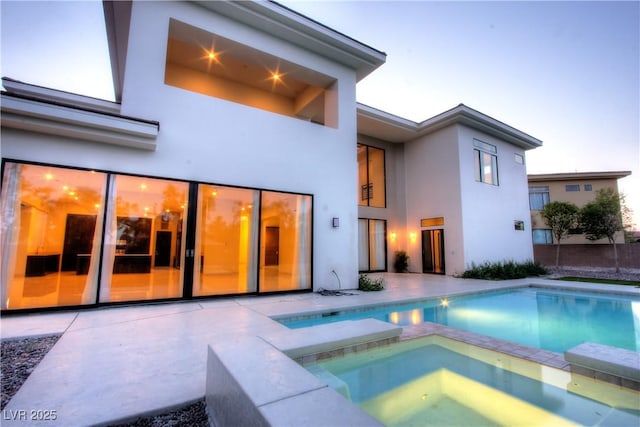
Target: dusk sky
{"type": "Point", "coordinates": [567, 73]}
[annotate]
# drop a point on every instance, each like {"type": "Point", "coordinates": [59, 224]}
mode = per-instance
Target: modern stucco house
{"type": "Point", "coordinates": [236, 160]}
{"type": "Point", "coordinates": [578, 188]}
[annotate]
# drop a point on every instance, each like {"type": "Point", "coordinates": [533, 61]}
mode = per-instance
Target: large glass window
{"type": "Point", "coordinates": [538, 197]}
{"type": "Point", "coordinates": [74, 237]}
{"type": "Point", "coordinates": [285, 243]}
{"type": "Point", "coordinates": [51, 230]}
{"type": "Point", "coordinates": [372, 245]}
{"type": "Point", "coordinates": [143, 256]}
{"type": "Point", "coordinates": [226, 241]}
{"type": "Point", "coordinates": [371, 176]}
{"type": "Point", "coordinates": [486, 162]}
{"type": "Point", "coordinates": [542, 236]}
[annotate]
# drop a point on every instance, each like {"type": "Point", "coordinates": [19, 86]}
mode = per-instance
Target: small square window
{"type": "Point", "coordinates": [572, 187]}
{"type": "Point", "coordinates": [519, 159]}
{"type": "Point", "coordinates": [518, 225]}
{"type": "Point", "coordinates": [588, 187]}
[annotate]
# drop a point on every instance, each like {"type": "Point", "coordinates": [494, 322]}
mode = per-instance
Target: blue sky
{"type": "Point", "coordinates": [567, 73]}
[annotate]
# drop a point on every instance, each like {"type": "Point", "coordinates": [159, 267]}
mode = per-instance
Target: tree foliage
{"type": "Point", "coordinates": [560, 217]}
{"type": "Point", "coordinates": [602, 218]}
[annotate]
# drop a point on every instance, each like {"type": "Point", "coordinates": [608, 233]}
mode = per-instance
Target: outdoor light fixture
{"type": "Point", "coordinates": [335, 222]}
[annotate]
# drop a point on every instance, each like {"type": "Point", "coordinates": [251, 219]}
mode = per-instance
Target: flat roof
{"type": "Point", "coordinates": [392, 128]}
{"type": "Point", "coordinates": [566, 176]}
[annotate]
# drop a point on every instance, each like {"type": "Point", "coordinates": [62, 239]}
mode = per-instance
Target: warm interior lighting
{"type": "Point", "coordinates": [413, 236]}
{"type": "Point", "coordinates": [214, 193]}
{"type": "Point", "coordinates": [48, 176]}
{"type": "Point", "coordinates": [143, 187]}
{"type": "Point", "coordinates": [392, 236]}
{"type": "Point", "coordinates": [276, 76]}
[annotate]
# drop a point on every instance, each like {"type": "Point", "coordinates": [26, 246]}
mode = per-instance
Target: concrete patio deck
{"type": "Point", "coordinates": [112, 364]}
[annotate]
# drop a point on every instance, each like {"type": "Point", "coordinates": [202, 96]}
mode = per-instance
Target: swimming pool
{"type": "Point", "coordinates": [550, 319]}
{"type": "Point", "coordinates": [438, 381]}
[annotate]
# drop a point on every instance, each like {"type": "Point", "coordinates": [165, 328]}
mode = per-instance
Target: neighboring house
{"type": "Point", "coordinates": [578, 188]}
{"type": "Point", "coordinates": [227, 165]}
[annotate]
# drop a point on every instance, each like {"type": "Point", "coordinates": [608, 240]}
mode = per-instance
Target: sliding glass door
{"type": "Point", "coordinates": [76, 237]}
{"type": "Point", "coordinates": [372, 245]}
{"type": "Point", "coordinates": [52, 222]}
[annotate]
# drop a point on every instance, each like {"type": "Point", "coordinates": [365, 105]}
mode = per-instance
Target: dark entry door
{"type": "Point", "coordinates": [433, 251]}
{"type": "Point", "coordinates": [78, 239]}
{"type": "Point", "coordinates": [163, 249]}
{"type": "Point", "coordinates": [272, 246]}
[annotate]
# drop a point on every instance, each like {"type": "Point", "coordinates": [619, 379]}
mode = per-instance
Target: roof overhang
{"type": "Point", "coordinates": [385, 126]}
{"type": "Point", "coordinates": [47, 111]}
{"type": "Point", "coordinates": [568, 176]}
{"type": "Point", "coordinates": [281, 22]}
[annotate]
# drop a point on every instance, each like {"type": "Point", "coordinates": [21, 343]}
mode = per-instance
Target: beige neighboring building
{"type": "Point", "coordinates": [578, 188]}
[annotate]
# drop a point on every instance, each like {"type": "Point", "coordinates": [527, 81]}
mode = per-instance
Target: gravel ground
{"type": "Point", "coordinates": [193, 415]}
{"type": "Point", "coordinates": [19, 357]}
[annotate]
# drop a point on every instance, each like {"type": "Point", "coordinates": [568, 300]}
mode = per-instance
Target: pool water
{"type": "Point", "coordinates": [435, 381]}
{"type": "Point", "coordinates": [553, 320]}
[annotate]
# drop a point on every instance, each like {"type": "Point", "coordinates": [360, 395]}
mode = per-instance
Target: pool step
{"type": "Point", "coordinates": [612, 364]}
{"type": "Point", "coordinates": [308, 345]}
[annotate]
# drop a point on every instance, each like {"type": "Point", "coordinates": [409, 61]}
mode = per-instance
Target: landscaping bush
{"type": "Point", "coordinates": [401, 263]}
{"type": "Point", "coordinates": [365, 283]}
{"type": "Point", "coordinates": [504, 270]}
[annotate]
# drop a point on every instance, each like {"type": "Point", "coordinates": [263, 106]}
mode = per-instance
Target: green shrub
{"type": "Point", "coordinates": [367, 284]}
{"type": "Point", "coordinates": [504, 270]}
{"type": "Point", "coordinates": [401, 263]}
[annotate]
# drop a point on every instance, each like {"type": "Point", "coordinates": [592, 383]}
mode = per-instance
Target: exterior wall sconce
{"type": "Point", "coordinates": [413, 236]}
{"type": "Point", "coordinates": [335, 222]}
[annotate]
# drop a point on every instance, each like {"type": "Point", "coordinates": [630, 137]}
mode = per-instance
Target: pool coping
{"type": "Point", "coordinates": [562, 286]}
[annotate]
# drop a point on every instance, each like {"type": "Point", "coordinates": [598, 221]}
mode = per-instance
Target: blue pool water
{"type": "Point", "coordinates": [554, 320]}
{"type": "Point", "coordinates": [436, 381]}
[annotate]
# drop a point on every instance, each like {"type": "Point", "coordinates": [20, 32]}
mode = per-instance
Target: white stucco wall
{"type": "Point", "coordinates": [433, 190]}
{"type": "Point", "coordinates": [489, 211]}
{"type": "Point", "coordinates": [211, 140]}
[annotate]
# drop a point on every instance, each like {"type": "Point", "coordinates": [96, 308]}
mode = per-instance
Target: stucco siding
{"type": "Point", "coordinates": [433, 190]}
{"type": "Point", "coordinates": [489, 211]}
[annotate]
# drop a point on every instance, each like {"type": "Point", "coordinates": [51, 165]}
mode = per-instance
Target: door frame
{"type": "Point", "coordinates": [429, 256]}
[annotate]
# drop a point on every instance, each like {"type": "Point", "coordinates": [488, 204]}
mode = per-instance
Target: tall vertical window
{"type": "Point", "coordinates": [538, 197]}
{"type": "Point", "coordinates": [285, 242]}
{"type": "Point", "coordinates": [226, 240]}
{"type": "Point", "coordinates": [143, 259]}
{"type": "Point", "coordinates": [51, 235]}
{"type": "Point", "coordinates": [371, 176]}
{"type": "Point", "coordinates": [372, 245]}
{"type": "Point", "coordinates": [486, 162]}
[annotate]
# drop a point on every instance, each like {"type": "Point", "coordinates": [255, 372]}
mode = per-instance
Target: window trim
{"type": "Point", "coordinates": [368, 187]}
